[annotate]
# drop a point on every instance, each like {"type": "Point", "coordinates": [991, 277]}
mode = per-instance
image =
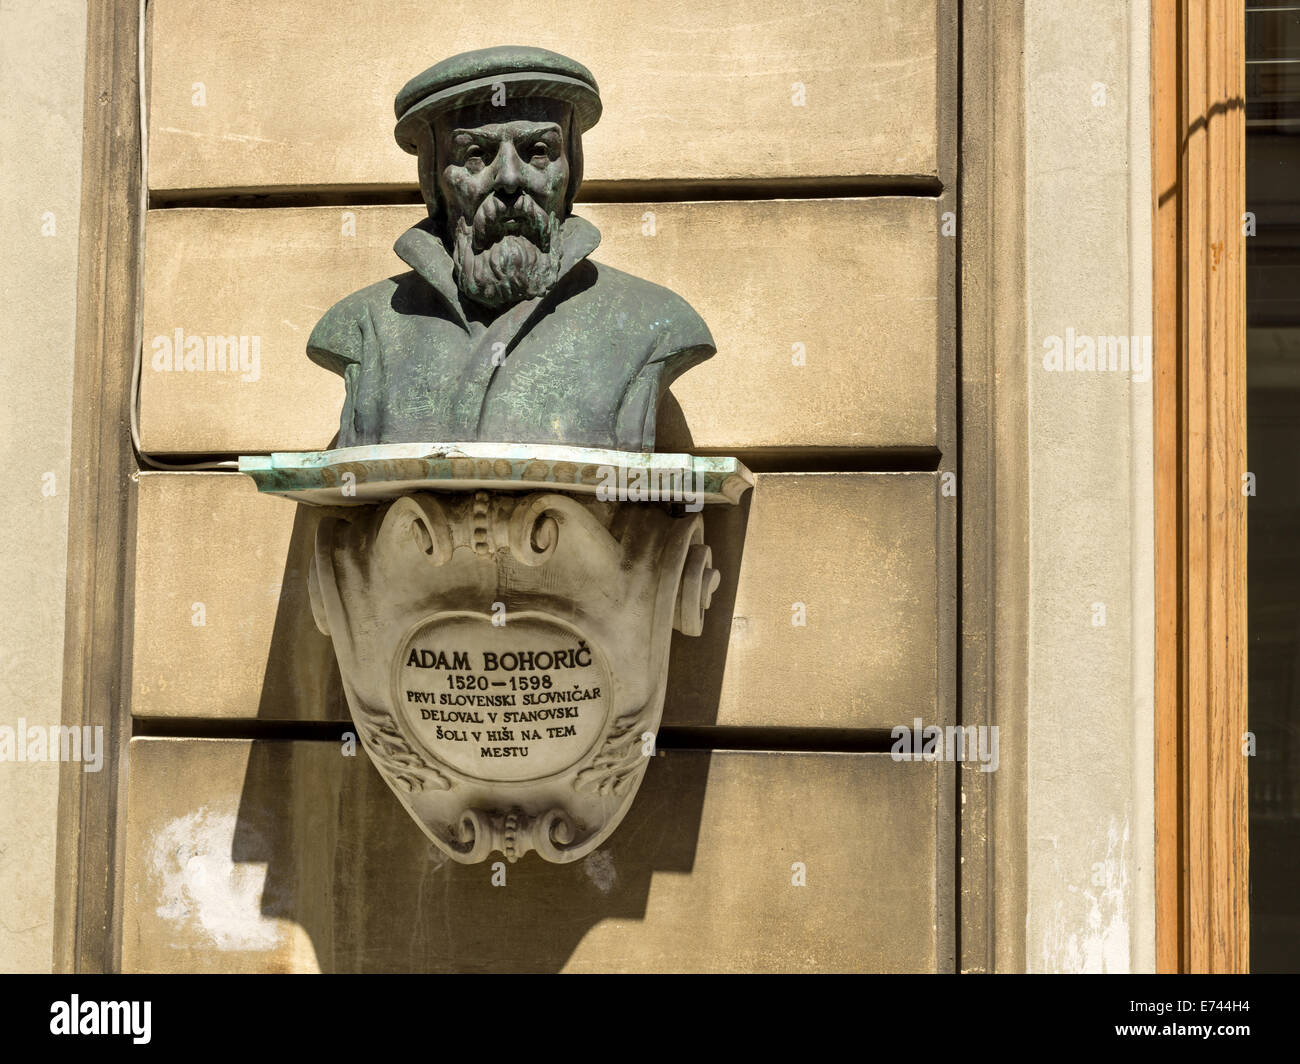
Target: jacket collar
{"type": "Point", "coordinates": [422, 249]}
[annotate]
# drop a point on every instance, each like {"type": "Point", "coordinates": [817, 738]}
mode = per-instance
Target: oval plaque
{"type": "Point", "coordinates": [506, 704]}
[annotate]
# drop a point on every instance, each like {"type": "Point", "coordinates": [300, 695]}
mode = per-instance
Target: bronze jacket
{"type": "Point", "coordinates": [584, 365]}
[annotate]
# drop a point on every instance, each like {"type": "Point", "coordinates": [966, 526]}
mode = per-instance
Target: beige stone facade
{"type": "Point", "coordinates": [43, 55]}
{"type": "Point", "coordinates": [799, 181]}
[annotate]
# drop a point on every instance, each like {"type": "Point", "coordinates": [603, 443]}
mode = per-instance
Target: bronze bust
{"type": "Point", "coordinates": [504, 329]}
{"type": "Point", "coordinates": [482, 476]}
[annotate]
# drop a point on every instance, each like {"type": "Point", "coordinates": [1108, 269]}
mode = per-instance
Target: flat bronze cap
{"type": "Point", "coordinates": [470, 78]}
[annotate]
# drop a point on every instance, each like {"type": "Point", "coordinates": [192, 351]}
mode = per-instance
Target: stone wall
{"type": "Point", "coordinates": [787, 172]}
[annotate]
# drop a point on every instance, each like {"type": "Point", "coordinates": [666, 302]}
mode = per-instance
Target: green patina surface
{"type": "Point", "coordinates": [364, 475]}
{"type": "Point", "coordinates": [503, 328]}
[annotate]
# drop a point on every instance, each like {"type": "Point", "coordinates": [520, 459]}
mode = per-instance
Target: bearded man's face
{"type": "Point", "coordinates": [502, 179]}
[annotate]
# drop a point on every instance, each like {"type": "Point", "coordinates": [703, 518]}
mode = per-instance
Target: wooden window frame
{"type": "Point", "coordinates": [1198, 159]}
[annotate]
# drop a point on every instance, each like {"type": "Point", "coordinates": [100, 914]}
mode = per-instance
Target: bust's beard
{"type": "Point", "coordinates": [513, 268]}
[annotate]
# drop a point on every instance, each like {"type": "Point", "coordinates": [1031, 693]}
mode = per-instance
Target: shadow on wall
{"type": "Point", "coordinates": [348, 864]}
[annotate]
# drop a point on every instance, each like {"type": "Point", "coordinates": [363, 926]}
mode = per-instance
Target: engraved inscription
{"type": "Point", "coordinates": [502, 703]}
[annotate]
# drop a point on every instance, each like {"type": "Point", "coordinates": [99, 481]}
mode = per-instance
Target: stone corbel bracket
{"type": "Point", "coordinates": [504, 650]}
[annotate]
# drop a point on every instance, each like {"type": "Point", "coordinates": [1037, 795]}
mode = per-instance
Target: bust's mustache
{"type": "Point", "coordinates": [494, 220]}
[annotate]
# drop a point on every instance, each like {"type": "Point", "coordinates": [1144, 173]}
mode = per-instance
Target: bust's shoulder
{"type": "Point", "coordinates": [336, 339]}
{"type": "Point", "coordinates": [620, 284]}
{"type": "Point", "coordinates": [659, 310]}
{"type": "Point", "coordinates": [377, 296]}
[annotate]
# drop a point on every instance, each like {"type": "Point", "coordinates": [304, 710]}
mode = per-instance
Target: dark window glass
{"type": "Point", "coordinates": [1273, 414]}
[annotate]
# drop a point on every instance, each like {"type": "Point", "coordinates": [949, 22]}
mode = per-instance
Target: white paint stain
{"type": "Point", "coordinates": [436, 858]}
{"type": "Point", "coordinates": [1088, 931]}
{"type": "Point", "coordinates": [740, 633]}
{"type": "Point", "coordinates": [203, 892]}
{"type": "Point", "coordinates": [599, 867]}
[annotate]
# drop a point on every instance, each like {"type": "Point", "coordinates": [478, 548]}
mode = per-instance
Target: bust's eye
{"type": "Point", "coordinates": [541, 149]}
{"type": "Point", "coordinates": [473, 152]}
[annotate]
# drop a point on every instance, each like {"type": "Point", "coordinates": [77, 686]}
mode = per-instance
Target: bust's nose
{"type": "Point", "coordinates": [509, 176]}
